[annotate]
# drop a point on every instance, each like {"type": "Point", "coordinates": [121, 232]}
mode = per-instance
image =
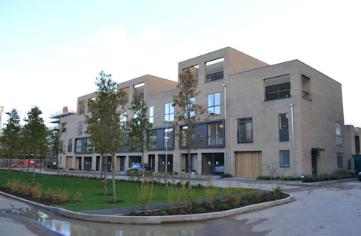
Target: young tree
{"type": "Point", "coordinates": [55, 145]}
{"type": "Point", "coordinates": [35, 134]}
{"type": "Point", "coordinates": [10, 139]}
{"type": "Point", "coordinates": [140, 128]}
{"type": "Point", "coordinates": [188, 113]}
{"type": "Point", "coordinates": [104, 125]}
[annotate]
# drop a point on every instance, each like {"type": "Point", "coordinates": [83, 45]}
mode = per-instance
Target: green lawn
{"type": "Point", "coordinates": [91, 190]}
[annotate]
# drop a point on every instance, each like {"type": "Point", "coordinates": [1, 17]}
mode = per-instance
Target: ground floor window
{"type": "Point", "coordinates": [165, 163]}
{"type": "Point", "coordinates": [213, 163]}
{"type": "Point", "coordinates": [339, 160]}
{"type": "Point", "coordinates": [121, 161]}
{"type": "Point", "coordinates": [134, 159]}
{"type": "Point", "coordinates": [285, 158]}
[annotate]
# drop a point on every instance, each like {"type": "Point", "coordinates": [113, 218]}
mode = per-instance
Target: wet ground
{"type": "Point", "coordinates": [333, 209]}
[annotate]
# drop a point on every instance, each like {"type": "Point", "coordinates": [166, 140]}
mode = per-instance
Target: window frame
{"type": "Point", "coordinates": [282, 160]}
{"type": "Point", "coordinates": [244, 121]}
{"type": "Point", "coordinates": [211, 103]}
{"type": "Point", "coordinates": [168, 112]}
{"type": "Point", "coordinates": [217, 135]}
{"type": "Point", "coordinates": [339, 159]}
{"type": "Point", "coordinates": [151, 114]}
{"type": "Point", "coordinates": [281, 129]}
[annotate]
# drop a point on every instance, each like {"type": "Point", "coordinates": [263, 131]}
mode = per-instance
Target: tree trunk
{"type": "Point", "coordinates": [113, 178]}
{"type": "Point", "coordinates": [189, 167]}
{"type": "Point", "coordinates": [34, 170]}
{"type": "Point", "coordinates": [105, 175]}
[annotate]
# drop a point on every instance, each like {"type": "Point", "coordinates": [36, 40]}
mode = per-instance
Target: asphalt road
{"type": "Point", "coordinates": [334, 209]}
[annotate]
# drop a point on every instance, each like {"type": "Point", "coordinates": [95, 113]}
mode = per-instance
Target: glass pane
{"type": "Point", "coordinates": [217, 99]}
{"type": "Point", "coordinates": [210, 99]}
{"type": "Point", "coordinates": [217, 110]}
{"type": "Point", "coordinates": [151, 111]}
{"type": "Point", "coordinates": [166, 108]}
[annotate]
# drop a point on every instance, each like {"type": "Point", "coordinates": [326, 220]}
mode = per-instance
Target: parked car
{"type": "Point", "coordinates": [138, 168]}
{"type": "Point", "coordinates": [218, 170]}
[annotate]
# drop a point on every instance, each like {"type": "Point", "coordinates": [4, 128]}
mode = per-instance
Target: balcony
{"type": "Point", "coordinates": [307, 96]}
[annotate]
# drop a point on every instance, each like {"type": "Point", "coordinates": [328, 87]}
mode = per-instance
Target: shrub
{"type": "Point", "coordinates": [145, 193]}
{"type": "Point", "coordinates": [36, 192]}
{"type": "Point", "coordinates": [77, 197]}
{"type": "Point", "coordinates": [276, 192]}
{"type": "Point", "coordinates": [226, 175]}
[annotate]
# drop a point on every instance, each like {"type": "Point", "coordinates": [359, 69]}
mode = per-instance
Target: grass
{"type": "Point", "coordinates": [91, 190]}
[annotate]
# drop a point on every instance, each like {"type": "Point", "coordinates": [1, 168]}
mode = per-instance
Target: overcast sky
{"type": "Point", "coordinates": [52, 51]}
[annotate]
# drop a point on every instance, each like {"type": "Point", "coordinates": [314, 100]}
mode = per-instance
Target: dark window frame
{"type": "Point", "coordinates": [280, 91]}
{"type": "Point", "coordinates": [282, 160]}
{"type": "Point", "coordinates": [283, 130]}
{"type": "Point", "coordinates": [244, 121]}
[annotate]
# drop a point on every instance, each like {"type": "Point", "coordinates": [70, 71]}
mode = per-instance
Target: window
{"type": "Point", "coordinates": [151, 114]}
{"type": "Point", "coordinates": [245, 130]}
{"type": "Point", "coordinates": [306, 88]}
{"type": "Point", "coordinates": [357, 144]}
{"type": "Point", "coordinates": [277, 87]}
{"type": "Point", "coordinates": [214, 103]}
{"type": "Point", "coordinates": [88, 145]}
{"type": "Point", "coordinates": [63, 127]}
{"type": "Point", "coordinates": [339, 160]}
{"type": "Point", "coordinates": [78, 145]}
{"type": "Point", "coordinates": [216, 134]}
{"type": "Point", "coordinates": [80, 127]}
{"type": "Point", "coordinates": [167, 137]}
{"type": "Point", "coordinates": [283, 127]}
{"type": "Point", "coordinates": [285, 158]}
{"type": "Point", "coordinates": [70, 145]}
{"type": "Point", "coordinates": [339, 139]}
{"type": "Point", "coordinates": [123, 118]}
{"type": "Point", "coordinates": [190, 108]}
{"type": "Point", "coordinates": [169, 112]}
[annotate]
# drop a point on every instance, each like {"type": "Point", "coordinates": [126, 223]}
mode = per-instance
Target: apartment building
{"type": "Point", "coordinates": [284, 119]}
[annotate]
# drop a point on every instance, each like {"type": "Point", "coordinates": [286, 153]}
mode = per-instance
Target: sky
{"type": "Point", "coordinates": [52, 51]}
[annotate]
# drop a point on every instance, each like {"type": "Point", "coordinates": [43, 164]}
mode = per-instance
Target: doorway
{"type": "Point", "coordinates": [151, 161]}
{"type": "Point", "coordinates": [314, 161]}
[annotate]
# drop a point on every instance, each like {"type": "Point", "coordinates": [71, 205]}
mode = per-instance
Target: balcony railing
{"type": "Point", "coordinates": [307, 96]}
{"type": "Point", "coordinates": [215, 76]}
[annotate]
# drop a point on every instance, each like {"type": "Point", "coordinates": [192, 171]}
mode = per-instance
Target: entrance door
{"type": "Point", "coordinates": [121, 163]}
{"type": "Point", "coordinates": [68, 164]}
{"type": "Point", "coordinates": [248, 164]}
{"type": "Point", "coordinates": [314, 161]}
{"type": "Point", "coordinates": [97, 164]}
{"type": "Point", "coordinates": [87, 163]}
{"type": "Point", "coordinates": [165, 163]}
{"type": "Point", "coordinates": [184, 163]}
{"type": "Point", "coordinates": [78, 162]}
{"type": "Point", "coordinates": [212, 163]}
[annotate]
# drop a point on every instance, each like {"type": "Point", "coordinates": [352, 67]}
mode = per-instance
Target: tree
{"type": "Point", "coordinates": [188, 112]}
{"type": "Point", "coordinates": [140, 128]}
{"type": "Point", "coordinates": [35, 133]}
{"type": "Point", "coordinates": [55, 145]}
{"type": "Point", "coordinates": [10, 139]}
{"type": "Point", "coordinates": [104, 124]}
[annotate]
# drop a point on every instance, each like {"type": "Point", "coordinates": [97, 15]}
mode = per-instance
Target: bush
{"type": "Point", "coordinates": [36, 191]}
{"type": "Point", "coordinates": [77, 197]}
{"type": "Point", "coordinates": [282, 178]}
{"type": "Point", "coordinates": [339, 174]}
{"type": "Point", "coordinates": [226, 175]}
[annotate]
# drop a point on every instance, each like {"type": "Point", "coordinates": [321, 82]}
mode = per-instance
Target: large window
{"type": "Point", "coordinates": [245, 130]}
{"type": "Point", "coordinates": [339, 139]}
{"type": "Point", "coordinates": [283, 127]}
{"type": "Point", "coordinates": [216, 134]}
{"type": "Point", "coordinates": [339, 160]}
{"type": "Point", "coordinates": [214, 103]}
{"type": "Point", "coordinates": [151, 114]}
{"type": "Point", "coordinates": [83, 145]}
{"type": "Point", "coordinates": [284, 158]}
{"type": "Point", "coordinates": [168, 112]}
{"type": "Point", "coordinates": [78, 145]}
{"type": "Point", "coordinates": [167, 137]}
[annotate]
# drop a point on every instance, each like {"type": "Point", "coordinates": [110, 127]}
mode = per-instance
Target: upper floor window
{"type": "Point", "coordinates": [151, 114]}
{"type": "Point", "coordinates": [283, 127]}
{"type": "Point", "coordinates": [245, 130]}
{"type": "Point", "coordinates": [70, 145]}
{"type": "Point", "coordinates": [168, 138]}
{"type": "Point", "coordinates": [306, 88]}
{"type": "Point", "coordinates": [190, 108]}
{"type": "Point", "coordinates": [339, 138]}
{"type": "Point", "coordinates": [277, 87]}
{"type": "Point", "coordinates": [80, 127]}
{"type": "Point", "coordinates": [123, 118]}
{"type": "Point", "coordinates": [216, 134]}
{"type": "Point", "coordinates": [63, 127]}
{"type": "Point", "coordinates": [214, 103]}
{"type": "Point", "coordinates": [78, 145]}
{"type": "Point", "coordinates": [169, 112]}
